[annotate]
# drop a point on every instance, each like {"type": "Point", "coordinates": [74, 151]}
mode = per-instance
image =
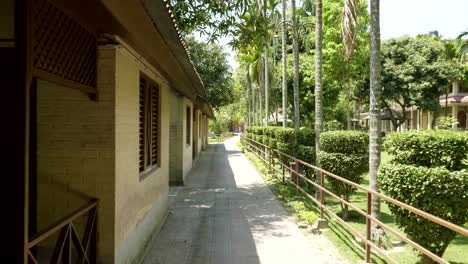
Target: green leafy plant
{"type": "Point", "coordinates": [348, 166]}
{"type": "Point", "coordinates": [345, 142]}
{"type": "Point", "coordinates": [446, 122]}
{"type": "Point", "coordinates": [306, 136]}
{"type": "Point", "coordinates": [344, 153]}
{"type": "Point", "coordinates": [437, 191]}
{"type": "Point", "coordinates": [429, 148]}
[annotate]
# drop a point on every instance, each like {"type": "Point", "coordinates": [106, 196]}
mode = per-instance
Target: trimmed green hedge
{"type": "Point", "coordinates": [429, 148]}
{"type": "Point", "coordinates": [349, 166]}
{"type": "Point", "coordinates": [306, 137]}
{"type": "Point", "coordinates": [437, 191]}
{"type": "Point", "coordinates": [285, 135]}
{"type": "Point", "coordinates": [343, 141]}
{"type": "Point", "coordinates": [282, 139]}
{"type": "Point", "coordinates": [345, 154]}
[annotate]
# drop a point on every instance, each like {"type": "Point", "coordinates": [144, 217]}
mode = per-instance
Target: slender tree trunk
{"type": "Point", "coordinates": [297, 121]}
{"type": "Point", "coordinates": [260, 103]}
{"type": "Point", "coordinates": [254, 105]}
{"type": "Point", "coordinates": [249, 91]}
{"type": "Point", "coordinates": [374, 111]}
{"type": "Point", "coordinates": [318, 81]}
{"type": "Point", "coordinates": [267, 85]}
{"type": "Point", "coordinates": [284, 81]}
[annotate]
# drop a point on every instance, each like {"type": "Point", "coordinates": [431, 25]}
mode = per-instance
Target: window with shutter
{"type": "Point", "coordinates": [187, 125]}
{"type": "Point", "coordinates": [199, 125]}
{"type": "Point", "coordinates": [149, 128]}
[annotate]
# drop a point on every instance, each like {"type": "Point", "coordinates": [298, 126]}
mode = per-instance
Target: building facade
{"type": "Point", "coordinates": [454, 104]}
{"type": "Point", "coordinates": [115, 112]}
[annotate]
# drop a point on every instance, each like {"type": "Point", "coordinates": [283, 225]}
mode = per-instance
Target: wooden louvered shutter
{"type": "Point", "coordinates": [142, 126]}
{"type": "Point", "coordinates": [187, 124]}
{"type": "Point", "coordinates": [148, 126]}
{"type": "Point", "coordinates": [154, 125]}
{"type": "Point", "coordinates": [199, 125]}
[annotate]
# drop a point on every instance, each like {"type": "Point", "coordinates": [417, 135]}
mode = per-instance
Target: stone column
{"type": "Point", "coordinates": [455, 115]}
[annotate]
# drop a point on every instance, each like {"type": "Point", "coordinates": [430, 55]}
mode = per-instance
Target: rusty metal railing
{"type": "Point", "coordinates": [68, 238]}
{"type": "Point", "coordinates": [267, 155]}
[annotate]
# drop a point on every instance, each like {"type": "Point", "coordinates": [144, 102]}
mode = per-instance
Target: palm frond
{"type": "Point", "coordinates": [349, 26]}
{"type": "Point", "coordinates": [462, 45]}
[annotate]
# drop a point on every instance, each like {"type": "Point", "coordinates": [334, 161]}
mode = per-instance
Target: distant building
{"type": "Point", "coordinates": [454, 104]}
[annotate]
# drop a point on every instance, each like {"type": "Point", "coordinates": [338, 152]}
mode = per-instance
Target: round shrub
{"type": "Point", "coordinates": [344, 153]}
{"type": "Point", "coordinates": [348, 166]}
{"type": "Point", "coordinates": [285, 135]}
{"type": "Point", "coordinates": [272, 143]}
{"type": "Point", "coordinates": [306, 153]}
{"type": "Point", "coordinates": [345, 142]}
{"type": "Point", "coordinates": [306, 137]}
{"type": "Point", "coordinates": [437, 191]}
{"type": "Point", "coordinates": [429, 148]}
{"type": "Point", "coordinates": [261, 131]}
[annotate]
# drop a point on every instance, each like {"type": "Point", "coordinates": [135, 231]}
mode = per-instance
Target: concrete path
{"type": "Point", "coordinates": [227, 215]}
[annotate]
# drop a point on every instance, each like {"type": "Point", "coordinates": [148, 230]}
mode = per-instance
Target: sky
{"type": "Point", "coordinates": [411, 17]}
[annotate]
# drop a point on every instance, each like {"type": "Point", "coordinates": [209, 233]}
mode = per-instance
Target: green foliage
{"type": "Point", "coordinates": [306, 136]}
{"type": "Point", "coordinates": [213, 18]}
{"type": "Point", "coordinates": [218, 126]}
{"type": "Point", "coordinates": [429, 148]}
{"type": "Point", "coordinates": [345, 154]}
{"type": "Point", "coordinates": [285, 135]}
{"type": "Point", "coordinates": [446, 122]}
{"type": "Point", "coordinates": [306, 153]}
{"type": "Point", "coordinates": [345, 142]}
{"type": "Point", "coordinates": [213, 67]}
{"type": "Point", "coordinates": [348, 166]}
{"type": "Point", "coordinates": [303, 213]}
{"type": "Point", "coordinates": [332, 125]}
{"type": "Point", "coordinates": [434, 190]}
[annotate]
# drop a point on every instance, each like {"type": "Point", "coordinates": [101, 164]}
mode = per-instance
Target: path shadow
{"type": "Point", "coordinates": [206, 222]}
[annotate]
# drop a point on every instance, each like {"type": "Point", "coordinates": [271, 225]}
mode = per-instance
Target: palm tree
{"type": "Point", "coordinates": [283, 70]}
{"type": "Point", "coordinates": [266, 73]}
{"type": "Point", "coordinates": [374, 114]}
{"type": "Point", "coordinates": [462, 46]}
{"type": "Point", "coordinates": [318, 79]}
{"type": "Point", "coordinates": [249, 91]}
{"type": "Point", "coordinates": [295, 32]}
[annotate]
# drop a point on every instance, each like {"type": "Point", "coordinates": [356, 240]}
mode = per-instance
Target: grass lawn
{"type": "Point", "coordinates": [457, 252]}
{"type": "Point", "coordinates": [221, 138]}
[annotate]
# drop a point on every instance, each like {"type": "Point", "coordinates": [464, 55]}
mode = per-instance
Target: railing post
{"type": "Point", "coordinates": [368, 228]}
{"type": "Point", "coordinates": [282, 169]}
{"type": "Point", "coordinates": [294, 177]}
{"type": "Point", "coordinates": [297, 176]}
{"type": "Point", "coordinates": [321, 195]}
{"type": "Point", "coordinates": [272, 158]}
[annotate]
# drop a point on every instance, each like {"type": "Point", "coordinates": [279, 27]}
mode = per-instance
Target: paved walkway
{"type": "Point", "coordinates": [227, 215]}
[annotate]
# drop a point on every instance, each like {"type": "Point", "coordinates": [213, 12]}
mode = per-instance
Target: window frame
{"type": "Point", "coordinates": [150, 86]}
{"type": "Point", "coordinates": [188, 124]}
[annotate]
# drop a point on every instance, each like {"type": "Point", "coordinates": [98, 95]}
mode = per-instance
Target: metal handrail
{"type": "Point", "coordinates": [68, 236]}
{"type": "Point", "coordinates": [367, 215]}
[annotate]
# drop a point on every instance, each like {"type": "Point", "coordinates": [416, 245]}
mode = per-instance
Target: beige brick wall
{"type": "Point", "coordinates": [90, 149]}
{"type": "Point", "coordinates": [75, 151]}
{"type": "Point", "coordinates": [135, 198]}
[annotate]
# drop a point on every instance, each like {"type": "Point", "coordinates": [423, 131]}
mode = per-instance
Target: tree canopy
{"type": "Point", "coordinates": [210, 60]}
{"type": "Point", "coordinates": [415, 72]}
